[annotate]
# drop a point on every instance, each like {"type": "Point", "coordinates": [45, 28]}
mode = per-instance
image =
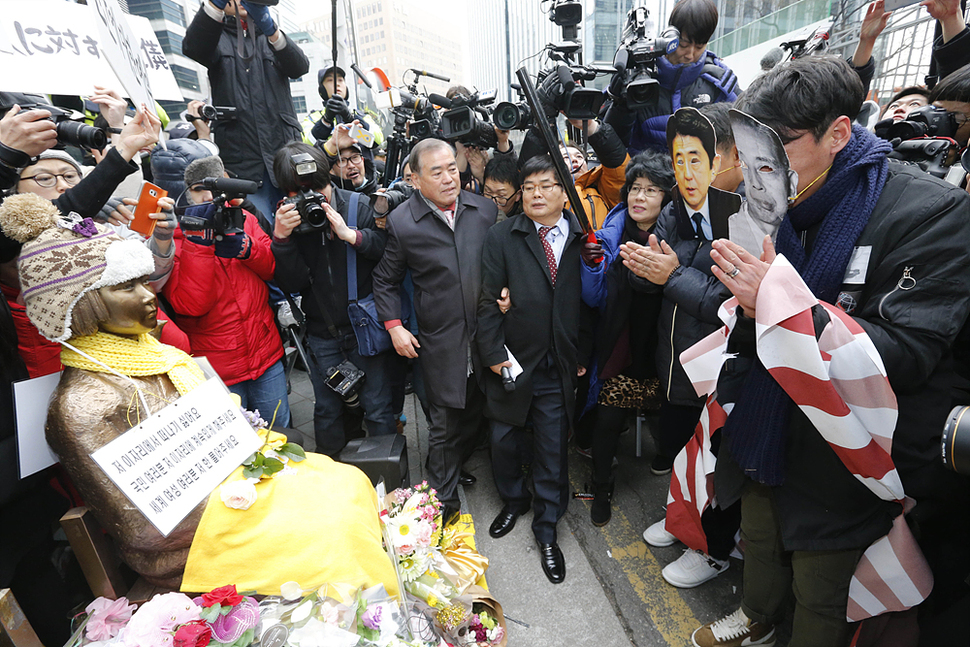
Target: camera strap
{"type": "Point", "coordinates": [351, 254]}
{"type": "Point", "coordinates": [325, 300]}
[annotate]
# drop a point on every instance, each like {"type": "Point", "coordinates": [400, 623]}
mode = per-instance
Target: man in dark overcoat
{"type": "Point", "coordinates": [437, 234]}
{"type": "Point", "coordinates": [537, 257]}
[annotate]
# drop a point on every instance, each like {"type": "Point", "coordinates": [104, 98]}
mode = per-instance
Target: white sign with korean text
{"type": "Point", "coordinates": [55, 47]}
{"type": "Point", "coordinates": [176, 458]}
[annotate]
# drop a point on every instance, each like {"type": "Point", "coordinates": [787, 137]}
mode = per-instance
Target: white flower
{"type": "Point", "coordinates": [291, 591]}
{"type": "Point", "coordinates": [239, 495]}
{"type": "Point", "coordinates": [402, 530]}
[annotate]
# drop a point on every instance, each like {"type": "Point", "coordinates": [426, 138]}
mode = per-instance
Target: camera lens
{"type": "Point", "coordinates": [208, 112]}
{"type": "Point", "coordinates": [642, 91]}
{"type": "Point", "coordinates": [313, 213]}
{"type": "Point", "coordinates": [506, 115]}
{"type": "Point", "coordinates": [78, 134]}
{"type": "Point", "coordinates": [956, 440]}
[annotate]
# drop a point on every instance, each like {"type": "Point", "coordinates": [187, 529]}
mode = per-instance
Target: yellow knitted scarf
{"type": "Point", "coordinates": [134, 357]}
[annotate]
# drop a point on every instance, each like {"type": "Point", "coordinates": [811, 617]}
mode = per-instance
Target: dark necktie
{"type": "Point", "coordinates": [550, 255]}
{"type": "Point", "coordinates": [698, 218]}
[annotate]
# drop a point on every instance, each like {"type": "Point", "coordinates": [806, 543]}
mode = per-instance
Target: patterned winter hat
{"type": "Point", "coordinates": [65, 257]}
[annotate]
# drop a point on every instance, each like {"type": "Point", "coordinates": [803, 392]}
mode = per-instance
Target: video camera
{"type": "Point", "coordinates": [217, 113]}
{"type": "Point", "coordinates": [466, 119]}
{"type": "Point", "coordinates": [228, 219]}
{"type": "Point", "coordinates": [70, 130]}
{"type": "Point", "coordinates": [924, 139]}
{"type": "Point", "coordinates": [560, 91]}
{"type": "Point", "coordinates": [309, 203]}
{"type": "Point", "coordinates": [636, 59]}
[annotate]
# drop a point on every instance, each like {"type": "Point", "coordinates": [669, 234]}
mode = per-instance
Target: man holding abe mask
{"type": "Point", "coordinates": [770, 184]}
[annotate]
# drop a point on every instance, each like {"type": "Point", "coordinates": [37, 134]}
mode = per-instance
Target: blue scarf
{"type": "Point", "coordinates": [756, 431]}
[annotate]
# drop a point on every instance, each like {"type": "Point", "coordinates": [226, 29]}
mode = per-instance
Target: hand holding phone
{"type": "Point", "coordinates": [143, 223]}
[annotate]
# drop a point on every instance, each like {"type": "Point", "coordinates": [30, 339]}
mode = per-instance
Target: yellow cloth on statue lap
{"type": "Point", "coordinates": [314, 527]}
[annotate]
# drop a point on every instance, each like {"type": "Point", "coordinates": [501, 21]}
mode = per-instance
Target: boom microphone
{"type": "Point", "coordinates": [430, 75]}
{"type": "Point", "coordinates": [772, 58]}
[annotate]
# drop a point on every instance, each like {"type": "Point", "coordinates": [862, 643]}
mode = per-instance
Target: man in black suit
{"type": "Point", "coordinates": [537, 257]}
{"type": "Point", "coordinates": [438, 234]}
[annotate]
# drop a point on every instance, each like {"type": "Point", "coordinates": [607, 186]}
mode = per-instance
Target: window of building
{"type": "Point", "coordinates": [299, 104]}
{"type": "Point", "coordinates": [185, 77]}
{"type": "Point", "coordinates": [170, 41]}
{"type": "Point", "coordinates": [158, 10]}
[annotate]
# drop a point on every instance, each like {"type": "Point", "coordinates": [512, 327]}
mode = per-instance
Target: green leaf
{"type": "Point", "coordinates": [209, 614]}
{"type": "Point", "coordinates": [292, 451]}
{"type": "Point", "coordinates": [252, 457]}
{"type": "Point", "coordinates": [260, 459]}
{"type": "Point", "coordinates": [253, 472]}
{"type": "Point", "coordinates": [272, 466]}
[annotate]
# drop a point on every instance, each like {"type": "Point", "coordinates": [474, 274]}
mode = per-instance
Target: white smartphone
{"type": "Point", "coordinates": [893, 5]}
{"type": "Point", "coordinates": [363, 136]}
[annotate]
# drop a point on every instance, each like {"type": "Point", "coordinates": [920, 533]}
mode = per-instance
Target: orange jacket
{"type": "Point", "coordinates": [599, 190]}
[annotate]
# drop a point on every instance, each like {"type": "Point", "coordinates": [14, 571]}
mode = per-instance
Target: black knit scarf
{"type": "Point", "coordinates": [756, 431]}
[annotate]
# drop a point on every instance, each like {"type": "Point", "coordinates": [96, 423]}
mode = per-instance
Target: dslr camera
{"type": "Point", "coordinates": [924, 139]}
{"type": "Point", "coordinates": [309, 203]}
{"type": "Point", "coordinates": [345, 380]}
{"type": "Point", "coordinates": [955, 445]}
{"type": "Point", "coordinates": [636, 59]}
{"type": "Point", "coordinates": [387, 201]}
{"type": "Point", "coordinates": [70, 130]}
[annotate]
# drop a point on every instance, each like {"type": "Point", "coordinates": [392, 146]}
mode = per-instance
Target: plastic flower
{"type": "Point", "coordinates": [224, 595]}
{"type": "Point", "coordinates": [107, 617]}
{"type": "Point", "coordinates": [193, 634]}
{"type": "Point", "coordinates": [153, 625]}
{"type": "Point", "coordinates": [291, 591]}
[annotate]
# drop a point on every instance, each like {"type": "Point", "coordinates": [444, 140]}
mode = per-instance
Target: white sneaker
{"type": "Point", "coordinates": [693, 568]}
{"type": "Point", "coordinates": [735, 630]}
{"type": "Point", "coordinates": [657, 535]}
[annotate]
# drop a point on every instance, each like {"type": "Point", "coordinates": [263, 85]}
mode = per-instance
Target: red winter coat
{"type": "Point", "coordinates": [222, 305]}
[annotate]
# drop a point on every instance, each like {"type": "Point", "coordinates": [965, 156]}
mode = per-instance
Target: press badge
{"type": "Point", "coordinates": [855, 271]}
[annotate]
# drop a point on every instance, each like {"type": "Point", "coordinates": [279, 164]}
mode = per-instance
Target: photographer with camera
{"type": "Point", "coordinates": [685, 75]}
{"type": "Point", "coordinates": [25, 134]}
{"type": "Point", "coordinates": [332, 86]}
{"type": "Point", "coordinates": [255, 80]}
{"type": "Point", "coordinates": [350, 168]}
{"type": "Point", "coordinates": [218, 289]}
{"type": "Point", "coordinates": [314, 247]}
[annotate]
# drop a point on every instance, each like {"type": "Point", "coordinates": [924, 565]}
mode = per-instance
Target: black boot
{"type": "Point", "coordinates": [600, 511]}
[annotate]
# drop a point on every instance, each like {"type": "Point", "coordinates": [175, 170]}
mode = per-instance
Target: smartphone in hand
{"type": "Point", "coordinates": [142, 222]}
{"type": "Point", "coordinates": [363, 136]}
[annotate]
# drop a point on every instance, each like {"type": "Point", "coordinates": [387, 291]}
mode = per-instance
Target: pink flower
{"type": "Point", "coordinates": [406, 549]}
{"type": "Point", "coordinates": [153, 625]}
{"type": "Point", "coordinates": [107, 617]}
{"type": "Point", "coordinates": [424, 535]}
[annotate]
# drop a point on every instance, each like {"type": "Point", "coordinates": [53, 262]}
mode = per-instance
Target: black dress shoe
{"type": "Point", "coordinates": [449, 515]}
{"type": "Point", "coordinates": [504, 522]}
{"type": "Point", "coordinates": [553, 563]}
{"type": "Point", "coordinates": [466, 479]}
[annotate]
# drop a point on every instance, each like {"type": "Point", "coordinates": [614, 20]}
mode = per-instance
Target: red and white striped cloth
{"type": "Point", "coordinates": [839, 382]}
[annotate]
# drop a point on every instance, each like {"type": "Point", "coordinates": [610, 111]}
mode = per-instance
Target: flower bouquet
{"type": "Point", "coordinates": [412, 521]}
{"type": "Point", "coordinates": [231, 618]}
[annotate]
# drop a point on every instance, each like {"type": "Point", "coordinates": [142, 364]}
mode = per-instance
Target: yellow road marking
{"type": "Point", "coordinates": [663, 605]}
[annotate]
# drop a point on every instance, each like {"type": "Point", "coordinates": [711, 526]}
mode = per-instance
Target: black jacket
{"type": "Point", "coordinates": [311, 265]}
{"type": "Point", "coordinates": [257, 86]}
{"type": "Point", "coordinates": [919, 227]}
{"type": "Point", "coordinates": [446, 269]}
{"type": "Point", "coordinates": [542, 319]}
{"type": "Point", "coordinates": [692, 296]}
{"type": "Point", "coordinates": [948, 57]}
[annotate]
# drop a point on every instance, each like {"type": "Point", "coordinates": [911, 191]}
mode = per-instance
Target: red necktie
{"type": "Point", "coordinates": [550, 255]}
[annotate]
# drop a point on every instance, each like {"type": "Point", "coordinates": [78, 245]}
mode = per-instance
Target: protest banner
{"type": "Point", "coordinates": [53, 47]}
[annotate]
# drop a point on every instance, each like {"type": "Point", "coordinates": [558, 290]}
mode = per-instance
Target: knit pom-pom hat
{"type": "Point", "coordinates": [65, 257]}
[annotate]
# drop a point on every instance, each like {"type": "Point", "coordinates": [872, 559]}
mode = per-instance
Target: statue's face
{"type": "Point", "coordinates": [131, 308]}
